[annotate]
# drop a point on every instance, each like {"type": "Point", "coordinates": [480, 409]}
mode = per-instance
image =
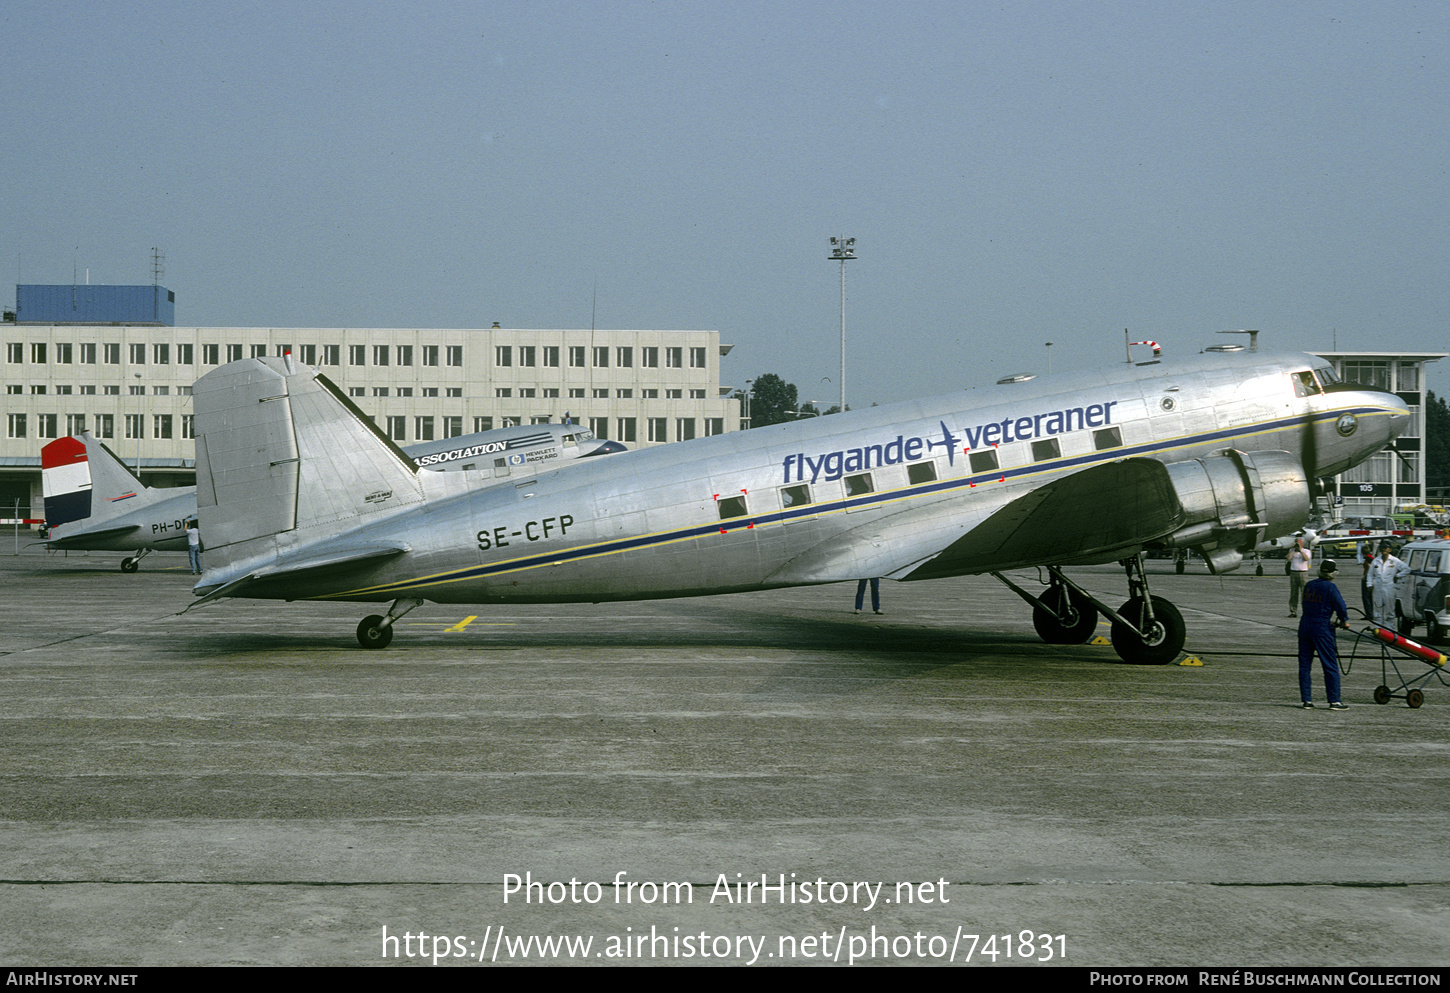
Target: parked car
{"type": "Point", "coordinates": [1423, 595]}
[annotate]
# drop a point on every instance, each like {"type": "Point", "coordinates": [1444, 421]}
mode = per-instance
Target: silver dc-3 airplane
{"type": "Point", "coordinates": [301, 497]}
{"type": "Point", "coordinates": [94, 502]}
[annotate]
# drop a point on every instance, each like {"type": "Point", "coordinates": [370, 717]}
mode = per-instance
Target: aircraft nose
{"type": "Point", "coordinates": [1399, 413]}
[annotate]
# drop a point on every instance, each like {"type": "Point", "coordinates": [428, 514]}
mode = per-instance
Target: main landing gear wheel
{"type": "Point", "coordinates": [1076, 617]}
{"type": "Point", "coordinates": [1381, 694]}
{"type": "Point", "coordinates": [1414, 698]}
{"type": "Point", "coordinates": [130, 564]}
{"type": "Point", "coordinates": [1162, 638]}
{"type": "Point", "coordinates": [372, 634]}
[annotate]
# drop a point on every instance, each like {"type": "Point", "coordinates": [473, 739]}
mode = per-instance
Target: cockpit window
{"type": "Point", "coordinates": [1304, 384]}
{"type": "Point", "coordinates": [1326, 376]}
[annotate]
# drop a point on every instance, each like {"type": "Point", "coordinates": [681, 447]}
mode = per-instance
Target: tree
{"type": "Point", "coordinates": [772, 400]}
{"type": "Point", "coordinates": [1437, 441]}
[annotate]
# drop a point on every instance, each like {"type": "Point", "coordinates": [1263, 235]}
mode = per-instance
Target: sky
{"type": "Point", "coordinates": [1014, 174]}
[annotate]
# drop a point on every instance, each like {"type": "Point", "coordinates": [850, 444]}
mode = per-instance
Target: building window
{"type": "Point", "coordinates": [452, 427]}
{"type": "Point", "coordinates": [14, 388]}
{"type": "Point", "coordinates": [188, 426]}
{"type": "Point", "coordinates": [576, 356]}
{"type": "Point", "coordinates": [398, 428]}
{"type": "Point", "coordinates": [576, 393]}
{"type": "Point", "coordinates": [674, 358]}
{"type": "Point", "coordinates": [714, 426]}
{"type": "Point", "coordinates": [528, 392]}
{"type": "Point", "coordinates": [211, 354]}
{"type": "Point", "coordinates": [624, 394]}
{"type": "Point", "coordinates": [357, 355]}
{"type": "Point", "coordinates": [308, 354]}
{"type": "Point", "coordinates": [503, 393]}
{"type": "Point", "coordinates": [672, 394]}
{"type": "Point", "coordinates": [601, 394]}
{"type": "Point", "coordinates": [697, 394]}
{"type": "Point", "coordinates": [161, 426]}
{"type": "Point", "coordinates": [430, 354]}
{"type": "Point", "coordinates": [135, 391]}
{"type": "Point", "coordinates": [601, 356]}
{"type": "Point", "coordinates": [15, 426]}
{"type": "Point", "coordinates": [551, 356]}
{"type": "Point", "coordinates": [63, 353]}
{"type": "Point", "coordinates": [624, 356]}
{"type": "Point", "coordinates": [430, 391]}
{"type": "Point", "coordinates": [112, 352]}
{"type": "Point", "coordinates": [332, 355]}
{"type": "Point", "coordinates": [40, 390]}
{"type": "Point", "coordinates": [259, 351]}
{"type": "Point", "coordinates": [551, 393]}
{"type": "Point", "coordinates": [138, 354]}
{"type": "Point", "coordinates": [541, 419]}
{"type": "Point", "coordinates": [105, 426]}
{"type": "Point", "coordinates": [503, 355]}
{"type": "Point", "coordinates": [600, 427]}
{"type": "Point", "coordinates": [454, 391]}
{"type": "Point", "coordinates": [184, 354]}
{"type": "Point", "coordinates": [234, 353]}
{"type": "Point", "coordinates": [1408, 378]}
{"type": "Point", "coordinates": [455, 355]}
{"type": "Point", "coordinates": [1368, 373]}
{"type": "Point", "coordinates": [423, 428]}
{"type": "Point", "coordinates": [111, 390]}
{"type": "Point", "coordinates": [45, 425]}
{"type": "Point", "coordinates": [88, 353]}
{"type": "Point", "coordinates": [624, 429]}
{"type": "Point", "coordinates": [357, 391]}
{"type": "Point", "coordinates": [37, 352]}
{"type": "Point", "coordinates": [482, 424]}
{"type": "Point", "coordinates": [15, 352]}
{"type": "Point", "coordinates": [160, 391]}
{"type": "Point", "coordinates": [183, 391]}
{"type": "Point", "coordinates": [405, 355]}
{"type": "Point", "coordinates": [88, 391]}
{"type": "Point", "coordinates": [697, 358]}
{"type": "Point", "coordinates": [650, 394]}
{"type": "Point", "coordinates": [684, 428]}
{"type": "Point", "coordinates": [650, 357]}
{"type": "Point", "coordinates": [136, 426]}
{"type": "Point", "coordinates": [380, 355]}
{"type": "Point", "coordinates": [380, 391]}
{"type": "Point", "coordinates": [527, 354]}
{"type": "Point", "coordinates": [161, 354]}
{"type": "Point", "coordinates": [658, 429]}
{"type": "Point", "coordinates": [75, 424]}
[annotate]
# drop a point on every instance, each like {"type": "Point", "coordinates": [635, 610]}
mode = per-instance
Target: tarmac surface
{"type": "Point", "coordinates": [245, 785]}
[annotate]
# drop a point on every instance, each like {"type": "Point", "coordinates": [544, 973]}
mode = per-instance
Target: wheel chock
{"type": "Point", "coordinates": [1099, 640]}
{"type": "Point", "coordinates": [1190, 660]}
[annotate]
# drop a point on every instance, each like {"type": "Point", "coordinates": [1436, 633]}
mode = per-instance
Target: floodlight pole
{"type": "Point", "coordinates": [843, 251]}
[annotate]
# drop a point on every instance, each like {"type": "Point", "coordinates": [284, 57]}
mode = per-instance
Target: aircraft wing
{"type": "Point", "coordinates": [1097, 515]}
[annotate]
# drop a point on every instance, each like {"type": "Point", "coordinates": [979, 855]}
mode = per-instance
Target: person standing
{"type": "Point", "coordinates": [1298, 569]}
{"type": "Point", "coordinates": [193, 547]}
{"type": "Point", "coordinates": [1364, 555]}
{"type": "Point", "coordinates": [875, 595]}
{"type": "Point", "coordinates": [1322, 604]}
{"type": "Point", "coordinates": [1384, 574]}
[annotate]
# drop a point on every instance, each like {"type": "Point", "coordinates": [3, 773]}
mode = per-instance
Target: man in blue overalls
{"type": "Point", "coordinates": [1322, 602]}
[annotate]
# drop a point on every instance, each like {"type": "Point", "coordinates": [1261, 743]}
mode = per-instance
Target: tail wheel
{"type": "Point", "coordinates": [372, 634]}
{"type": "Point", "coordinates": [1161, 639]}
{"type": "Point", "coordinates": [1076, 618]}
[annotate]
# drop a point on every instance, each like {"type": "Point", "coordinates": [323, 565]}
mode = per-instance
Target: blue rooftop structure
{"type": "Point", "coordinates": [84, 304]}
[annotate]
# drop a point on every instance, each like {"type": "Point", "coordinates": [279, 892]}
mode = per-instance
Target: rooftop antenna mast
{"type": "Point", "coordinates": [158, 269]}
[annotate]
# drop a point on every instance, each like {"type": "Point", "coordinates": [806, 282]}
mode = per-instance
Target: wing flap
{"type": "Point", "coordinates": [1102, 512]}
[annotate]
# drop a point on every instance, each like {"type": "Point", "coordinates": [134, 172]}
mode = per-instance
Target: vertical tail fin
{"type": "Point", "coordinates": [86, 484]}
{"type": "Point", "coordinates": [282, 456]}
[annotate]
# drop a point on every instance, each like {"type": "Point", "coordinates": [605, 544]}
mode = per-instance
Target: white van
{"type": "Point", "coordinates": [1423, 595]}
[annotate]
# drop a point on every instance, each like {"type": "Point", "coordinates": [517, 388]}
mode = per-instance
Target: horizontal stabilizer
{"type": "Point", "coordinates": [314, 560]}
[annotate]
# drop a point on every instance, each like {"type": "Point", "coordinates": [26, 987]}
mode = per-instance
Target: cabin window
{"type": "Point", "coordinates": [983, 461]}
{"type": "Point", "coordinates": [732, 507]}
{"type": "Point", "coordinates": [858, 485]}
{"type": "Point", "coordinates": [1048, 448]}
{"type": "Point", "coordinates": [1108, 438]}
{"type": "Point", "coordinates": [1304, 384]}
{"type": "Point", "coordinates": [921, 472]}
{"type": "Point", "coordinates": [794, 496]}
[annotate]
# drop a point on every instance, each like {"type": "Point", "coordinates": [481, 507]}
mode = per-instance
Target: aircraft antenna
{"type": "Point", "coordinates": [1253, 338]}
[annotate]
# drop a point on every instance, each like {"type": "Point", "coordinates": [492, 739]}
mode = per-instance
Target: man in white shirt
{"type": "Point", "coordinates": [1298, 573]}
{"type": "Point", "coordinates": [1384, 573]}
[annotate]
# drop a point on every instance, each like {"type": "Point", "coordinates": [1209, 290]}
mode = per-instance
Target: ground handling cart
{"type": "Point", "coordinates": [1391, 647]}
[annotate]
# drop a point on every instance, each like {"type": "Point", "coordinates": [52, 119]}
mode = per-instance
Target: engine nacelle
{"type": "Point", "coordinates": [1231, 502]}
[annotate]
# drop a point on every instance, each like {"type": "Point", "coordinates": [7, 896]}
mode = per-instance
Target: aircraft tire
{"type": "Point", "coordinates": [1053, 631]}
{"type": "Point", "coordinates": [1260, 570]}
{"type": "Point", "coordinates": [1179, 566]}
{"type": "Point", "coordinates": [1381, 694]}
{"type": "Point", "coordinates": [1164, 641]}
{"type": "Point", "coordinates": [130, 564]}
{"type": "Point", "coordinates": [371, 633]}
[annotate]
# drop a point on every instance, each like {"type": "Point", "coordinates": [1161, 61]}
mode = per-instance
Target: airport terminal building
{"type": "Point", "coordinates": [129, 382]}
